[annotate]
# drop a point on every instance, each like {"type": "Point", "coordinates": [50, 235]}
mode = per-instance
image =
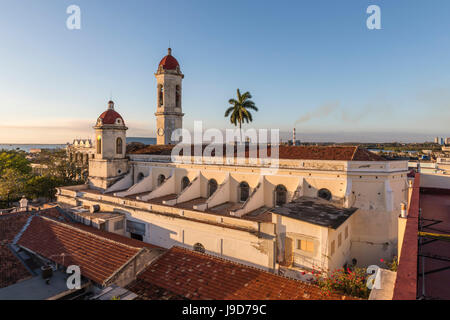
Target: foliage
{"type": "Point", "coordinates": [239, 110]}
{"type": "Point", "coordinates": [42, 187]}
{"type": "Point", "coordinates": [17, 179]}
{"type": "Point", "coordinates": [391, 265]}
{"type": "Point", "coordinates": [12, 183]}
{"type": "Point", "coordinates": [346, 281]}
{"type": "Point", "coordinates": [14, 160]}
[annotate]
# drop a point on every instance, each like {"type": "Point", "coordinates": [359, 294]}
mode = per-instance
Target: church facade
{"type": "Point", "coordinates": [325, 207]}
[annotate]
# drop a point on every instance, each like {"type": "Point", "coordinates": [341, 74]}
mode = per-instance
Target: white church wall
{"type": "Point", "coordinates": [145, 185]}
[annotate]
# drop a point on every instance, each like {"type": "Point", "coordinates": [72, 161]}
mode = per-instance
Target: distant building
{"type": "Point", "coordinates": [80, 150]}
{"type": "Point", "coordinates": [436, 140]}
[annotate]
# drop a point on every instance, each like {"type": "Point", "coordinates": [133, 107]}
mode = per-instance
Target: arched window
{"type": "Point", "coordinates": [324, 194]}
{"type": "Point", "coordinates": [212, 187]}
{"type": "Point", "coordinates": [280, 195]}
{"type": "Point", "coordinates": [161, 179]}
{"type": "Point", "coordinates": [119, 146]}
{"type": "Point", "coordinates": [184, 183]}
{"type": "Point", "coordinates": [140, 176]}
{"type": "Point", "coordinates": [99, 144]}
{"type": "Point", "coordinates": [244, 191]}
{"type": "Point", "coordinates": [199, 247]}
{"type": "Point", "coordinates": [161, 94]}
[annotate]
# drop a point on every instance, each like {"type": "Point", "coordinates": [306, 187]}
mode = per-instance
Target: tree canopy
{"type": "Point", "coordinates": [239, 111]}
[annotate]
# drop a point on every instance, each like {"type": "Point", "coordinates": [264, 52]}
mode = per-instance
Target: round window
{"type": "Point", "coordinates": [324, 194]}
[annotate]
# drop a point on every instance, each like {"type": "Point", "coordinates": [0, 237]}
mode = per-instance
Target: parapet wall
{"type": "Point", "coordinates": [406, 282]}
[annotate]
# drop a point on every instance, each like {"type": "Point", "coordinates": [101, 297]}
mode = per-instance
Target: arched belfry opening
{"type": "Point", "coordinates": [169, 115]}
{"type": "Point", "coordinates": [119, 145]}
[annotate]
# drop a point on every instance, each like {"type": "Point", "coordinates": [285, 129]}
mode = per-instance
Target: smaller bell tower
{"type": "Point", "coordinates": [169, 116]}
{"type": "Point", "coordinates": [109, 163]}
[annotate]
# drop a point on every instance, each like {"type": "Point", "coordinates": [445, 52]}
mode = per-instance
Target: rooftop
{"type": "Point", "coordinates": [435, 207]}
{"type": "Point", "coordinates": [316, 211]}
{"type": "Point", "coordinates": [99, 254]}
{"type": "Point", "coordinates": [35, 288]}
{"type": "Point", "coordinates": [424, 271]}
{"type": "Point", "coordinates": [183, 274]}
{"type": "Point", "coordinates": [11, 268]}
{"type": "Point", "coordinates": [260, 214]}
{"type": "Point", "coordinates": [341, 153]}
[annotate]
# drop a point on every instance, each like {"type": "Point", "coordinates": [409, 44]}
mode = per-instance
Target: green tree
{"type": "Point", "coordinates": [14, 160]}
{"type": "Point", "coordinates": [239, 110]}
{"type": "Point", "coordinates": [42, 186]}
{"type": "Point", "coordinates": [12, 183]}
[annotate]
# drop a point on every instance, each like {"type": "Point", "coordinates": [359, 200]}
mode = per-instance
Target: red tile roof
{"type": "Point", "coordinates": [11, 268]}
{"type": "Point", "coordinates": [54, 213]}
{"type": "Point", "coordinates": [99, 257]}
{"type": "Point", "coordinates": [342, 153]}
{"type": "Point", "coordinates": [169, 63]}
{"type": "Point", "coordinates": [110, 116]}
{"type": "Point", "coordinates": [192, 275]}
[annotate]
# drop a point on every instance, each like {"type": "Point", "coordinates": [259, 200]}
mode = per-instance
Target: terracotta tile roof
{"type": "Point", "coordinates": [169, 62]}
{"type": "Point", "coordinates": [342, 153]}
{"type": "Point", "coordinates": [11, 224]}
{"type": "Point", "coordinates": [11, 268]}
{"type": "Point", "coordinates": [99, 257]}
{"type": "Point", "coordinates": [148, 291]}
{"type": "Point", "coordinates": [53, 213]}
{"type": "Point", "coordinates": [192, 275]}
{"type": "Point", "coordinates": [110, 116]}
{"type": "Point", "coordinates": [113, 236]}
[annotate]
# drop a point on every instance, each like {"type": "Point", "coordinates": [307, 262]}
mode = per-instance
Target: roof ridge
{"type": "Point", "coordinates": [354, 152]}
{"type": "Point", "coordinates": [125, 264]}
{"type": "Point", "coordinates": [87, 232]}
{"type": "Point", "coordinates": [23, 229]}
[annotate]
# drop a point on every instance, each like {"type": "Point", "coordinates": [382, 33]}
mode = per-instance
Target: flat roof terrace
{"type": "Point", "coordinates": [258, 215]}
{"type": "Point", "coordinates": [316, 211]}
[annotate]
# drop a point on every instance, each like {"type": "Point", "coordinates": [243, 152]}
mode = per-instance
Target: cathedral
{"type": "Point", "coordinates": [324, 208]}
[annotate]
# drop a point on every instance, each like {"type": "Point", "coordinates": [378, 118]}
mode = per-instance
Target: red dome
{"type": "Point", "coordinates": [169, 62]}
{"type": "Point", "coordinates": [110, 116]}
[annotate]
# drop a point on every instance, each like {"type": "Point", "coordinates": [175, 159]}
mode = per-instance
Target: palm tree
{"type": "Point", "coordinates": [239, 111]}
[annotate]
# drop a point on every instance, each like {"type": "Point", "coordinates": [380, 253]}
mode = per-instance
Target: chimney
{"type": "Point", "coordinates": [293, 137]}
{"type": "Point", "coordinates": [403, 213]}
{"type": "Point", "coordinates": [401, 229]}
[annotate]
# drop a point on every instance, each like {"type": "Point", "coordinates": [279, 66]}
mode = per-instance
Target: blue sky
{"type": "Point", "coordinates": [309, 64]}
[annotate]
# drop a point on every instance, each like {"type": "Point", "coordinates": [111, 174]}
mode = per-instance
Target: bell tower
{"type": "Point", "coordinates": [109, 163]}
{"type": "Point", "coordinates": [169, 116]}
